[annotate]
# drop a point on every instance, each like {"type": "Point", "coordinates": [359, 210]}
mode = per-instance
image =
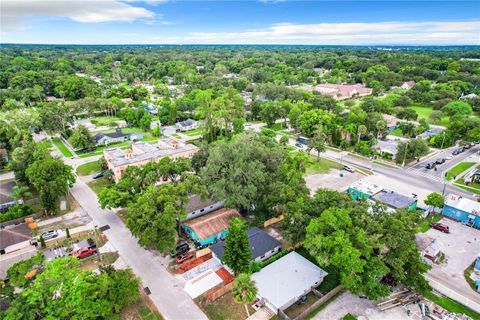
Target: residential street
{"type": "Point", "coordinates": [166, 291]}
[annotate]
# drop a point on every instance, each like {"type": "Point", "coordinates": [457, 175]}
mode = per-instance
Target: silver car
{"type": "Point", "coordinates": [50, 234]}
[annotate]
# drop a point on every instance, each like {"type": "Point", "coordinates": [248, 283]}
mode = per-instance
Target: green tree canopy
{"type": "Point", "coordinates": [237, 255]}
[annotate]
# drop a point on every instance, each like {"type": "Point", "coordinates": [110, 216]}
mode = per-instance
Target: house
{"type": "Point", "coordinates": [468, 96]}
{"type": "Point", "coordinates": [142, 153]}
{"type": "Point", "coordinates": [342, 91]}
{"type": "Point", "coordinates": [186, 125]}
{"type": "Point", "coordinates": [430, 133]}
{"type": "Point", "coordinates": [262, 245]}
{"type": "Point", "coordinates": [392, 122]}
{"type": "Point", "coordinates": [387, 146]}
{"type": "Point", "coordinates": [115, 137]}
{"type": "Point", "coordinates": [197, 207]}
{"type": "Point", "coordinates": [428, 247]}
{"type": "Point", "coordinates": [462, 209]}
{"type": "Point", "coordinates": [168, 130]}
{"type": "Point", "coordinates": [211, 227]}
{"type": "Point", "coordinates": [151, 110]}
{"type": "Point", "coordinates": [408, 85]}
{"type": "Point", "coordinates": [154, 124]}
{"type": "Point", "coordinates": [283, 282]}
{"type": "Point", "coordinates": [168, 143]}
{"type": "Point", "coordinates": [127, 100]}
{"type": "Point", "coordinates": [395, 200]}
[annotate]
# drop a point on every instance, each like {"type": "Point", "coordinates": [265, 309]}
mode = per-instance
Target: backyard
{"type": "Point", "coordinates": [63, 149]}
{"type": "Point", "coordinates": [425, 112]}
{"type": "Point", "coordinates": [458, 169]}
{"type": "Point", "coordinates": [224, 307]}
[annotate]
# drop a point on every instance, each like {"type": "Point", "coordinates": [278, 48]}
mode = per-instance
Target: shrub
{"type": "Point", "coordinates": [17, 272]}
{"type": "Point", "coordinates": [16, 211]}
{"type": "Point", "coordinates": [94, 121]}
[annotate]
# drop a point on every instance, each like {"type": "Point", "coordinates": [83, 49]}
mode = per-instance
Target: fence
{"type": "Point", "coordinates": [273, 220]}
{"type": "Point", "coordinates": [216, 292]}
{"type": "Point", "coordinates": [319, 302]}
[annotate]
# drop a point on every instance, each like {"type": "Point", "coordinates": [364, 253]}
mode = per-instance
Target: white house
{"type": "Point", "coordinates": [186, 125]}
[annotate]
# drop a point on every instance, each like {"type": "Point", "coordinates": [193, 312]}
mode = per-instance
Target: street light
{"type": "Point", "coordinates": [443, 139]}
{"type": "Point", "coordinates": [405, 156]}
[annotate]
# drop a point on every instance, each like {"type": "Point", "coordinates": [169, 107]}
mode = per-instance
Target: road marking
{"type": "Point", "coordinates": [425, 174]}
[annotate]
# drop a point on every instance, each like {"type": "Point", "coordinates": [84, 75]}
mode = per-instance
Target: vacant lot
{"type": "Point", "coordinates": [88, 168]}
{"type": "Point", "coordinates": [322, 166]}
{"type": "Point", "coordinates": [223, 308]}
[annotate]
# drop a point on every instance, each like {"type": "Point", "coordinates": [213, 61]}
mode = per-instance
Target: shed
{"type": "Point", "coordinates": [262, 245]}
{"type": "Point", "coordinates": [285, 281]}
{"type": "Point", "coordinates": [211, 227]}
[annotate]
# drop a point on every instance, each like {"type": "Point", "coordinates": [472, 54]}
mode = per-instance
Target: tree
{"type": "Point", "coordinates": [407, 128]}
{"type": "Point", "coordinates": [362, 129]}
{"type": "Point", "coordinates": [458, 108]}
{"type": "Point", "coordinates": [152, 217]}
{"type": "Point", "coordinates": [21, 192]}
{"type": "Point", "coordinates": [237, 255]}
{"type": "Point", "coordinates": [381, 127]}
{"type": "Point", "coordinates": [317, 142]}
{"type": "Point", "coordinates": [435, 200]}
{"type": "Point", "coordinates": [270, 113]}
{"type": "Point", "coordinates": [81, 138]}
{"type": "Point", "coordinates": [24, 156]}
{"type": "Point", "coordinates": [244, 290]}
{"type": "Point", "coordinates": [413, 149]}
{"type": "Point", "coordinates": [52, 178]}
{"type": "Point", "coordinates": [407, 114]}
{"type": "Point", "coordinates": [284, 140]}
{"type": "Point", "coordinates": [64, 291]}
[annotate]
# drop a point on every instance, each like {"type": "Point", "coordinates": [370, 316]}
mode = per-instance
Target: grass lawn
{"type": "Point", "coordinates": [223, 308]}
{"type": "Point", "coordinates": [176, 135]}
{"type": "Point", "coordinates": [425, 112]}
{"type": "Point", "coordinates": [451, 305]}
{"type": "Point", "coordinates": [424, 224]}
{"type": "Point", "coordinates": [140, 311]}
{"type": "Point", "coordinates": [99, 184]}
{"type": "Point", "coordinates": [297, 308]}
{"type": "Point", "coordinates": [396, 132]}
{"type": "Point", "coordinates": [320, 308]}
{"type": "Point", "coordinates": [104, 120]}
{"type": "Point", "coordinates": [193, 133]}
{"type": "Point", "coordinates": [467, 274]}
{"type": "Point", "coordinates": [349, 317]}
{"type": "Point", "coordinates": [461, 184]}
{"type": "Point", "coordinates": [322, 166]}
{"type": "Point", "coordinates": [64, 150]}
{"type": "Point", "coordinates": [88, 168]}
{"type": "Point", "coordinates": [277, 126]}
{"type": "Point", "coordinates": [458, 169]}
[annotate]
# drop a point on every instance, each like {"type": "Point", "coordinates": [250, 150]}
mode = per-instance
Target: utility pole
{"type": "Point", "coordinates": [405, 156]}
{"type": "Point", "coordinates": [443, 140]}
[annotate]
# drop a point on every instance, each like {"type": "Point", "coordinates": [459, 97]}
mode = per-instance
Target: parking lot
{"type": "Point", "coordinates": [332, 180]}
{"type": "Point", "coordinates": [461, 247]}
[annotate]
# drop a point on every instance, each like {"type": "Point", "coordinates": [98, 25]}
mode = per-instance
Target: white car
{"type": "Point", "coordinates": [449, 157]}
{"type": "Point", "coordinates": [50, 234]}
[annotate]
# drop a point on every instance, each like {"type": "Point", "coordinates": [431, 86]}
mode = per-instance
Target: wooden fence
{"type": "Point", "coordinates": [319, 302]}
{"type": "Point", "coordinates": [216, 292]}
{"type": "Point", "coordinates": [273, 220]}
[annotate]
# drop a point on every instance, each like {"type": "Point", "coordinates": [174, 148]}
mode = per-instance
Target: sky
{"type": "Point", "coordinates": [387, 22]}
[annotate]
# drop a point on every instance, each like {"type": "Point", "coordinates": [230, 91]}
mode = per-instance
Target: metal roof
{"type": "Point", "coordinates": [394, 199]}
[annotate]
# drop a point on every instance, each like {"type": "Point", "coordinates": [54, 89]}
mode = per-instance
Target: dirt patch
{"type": "Point", "coordinates": [223, 308]}
{"type": "Point", "coordinates": [142, 309]}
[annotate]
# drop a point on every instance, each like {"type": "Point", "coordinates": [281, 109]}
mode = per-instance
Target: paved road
{"type": "Point", "coordinates": [167, 292]}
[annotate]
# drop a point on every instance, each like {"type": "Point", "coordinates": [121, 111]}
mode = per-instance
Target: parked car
{"type": "Point", "coordinates": [430, 165]}
{"type": "Point", "coordinates": [467, 146]}
{"type": "Point", "coordinates": [85, 252]}
{"type": "Point", "coordinates": [455, 152]}
{"type": "Point", "coordinates": [182, 247]}
{"type": "Point", "coordinates": [449, 157]}
{"type": "Point", "coordinates": [440, 227]}
{"type": "Point", "coordinates": [440, 161]}
{"type": "Point", "coordinates": [50, 234]}
{"type": "Point", "coordinates": [182, 257]}
{"type": "Point", "coordinates": [348, 168]}
{"type": "Point", "coordinates": [98, 175]}
{"type": "Point", "coordinates": [89, 150]}
{"type": "Point", "coordinates": [298, 145]}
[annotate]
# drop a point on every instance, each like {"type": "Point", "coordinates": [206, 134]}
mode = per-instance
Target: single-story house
{"type": "Point", "coordinates": [430, 133]}
{"type": "Point", "coordinates": [262, 245]}
{"type": "Point", "coordinates": [408, 85]}
{"type": "Point", "coordinates": [462, 209]}
{"type": "Point", "coordinates": [392, 122]}
{"type": "Point", "coordinates": [363, 190]}
{"type": "Point", "coordinates": [117, 136]}
{"type": "Point", "coordinates": [154, 124]}
{"type": "Point", "coordinates": [387, 146]}
{"type": "Point", "coordinates": [342, 91]}
{"type": "Point", "coordinates": [396, 200]}
{"type": "Point", "coordinates": [186, 125]}
{"type": "Point", "coordinates": [197, 207]}
{"type": "Point", "coordinates": [168, 130]}
{"type": "Point", "coordinates": [285, 281]}
{"type": "Point", "coordinates": [428, 247]}
{"type": "Point", "coordinates": [127, 100]}
{"type": "Point", "coordinates": [211, 227]}
{"type": "Point", "coordinates": [151, 109]}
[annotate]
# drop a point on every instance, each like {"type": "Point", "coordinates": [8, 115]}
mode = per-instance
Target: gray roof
{"type": "Point", "coordinates": [260, 243]}
{"type": "Point", "coordinates": [393, 199]}
{"type": "Point", "coordinates": [284, 281]}
{"type": "Point", "coordinates": [195, 203]}
{"type": "Point", "coordinates": [187, 122]}
{"type": "Point", "coordinates": [113, 135]}
{"type": "Point", "coordinates": [158, 153]}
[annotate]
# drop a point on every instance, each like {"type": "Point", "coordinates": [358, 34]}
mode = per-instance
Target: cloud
{"type": "Point", "coordinates": [375, 33]}
{"type": "Point", "coordinates": [14, 12]}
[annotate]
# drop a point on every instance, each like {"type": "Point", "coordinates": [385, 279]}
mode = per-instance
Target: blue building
{"type": "Point", "coordinates": [461, 209]}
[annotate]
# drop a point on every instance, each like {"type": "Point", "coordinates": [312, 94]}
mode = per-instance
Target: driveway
{"type": "Point", "coordinates": [150, 266]}
{"type": "Point", "coordinates": [461, 247]}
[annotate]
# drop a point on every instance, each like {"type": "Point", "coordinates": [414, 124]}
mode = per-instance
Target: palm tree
{"type": "Point", "coordinates": [244, 290]}
{"type": "Point", "coordinates": [361, 131]}
{"type": "Point", "coordinates": [21, 192]}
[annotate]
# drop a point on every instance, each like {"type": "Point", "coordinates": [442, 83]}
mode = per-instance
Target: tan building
{"type": "Point", "coordinates": [142, 153]}
{"type": "Point", "coordinates": [342, 91]}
